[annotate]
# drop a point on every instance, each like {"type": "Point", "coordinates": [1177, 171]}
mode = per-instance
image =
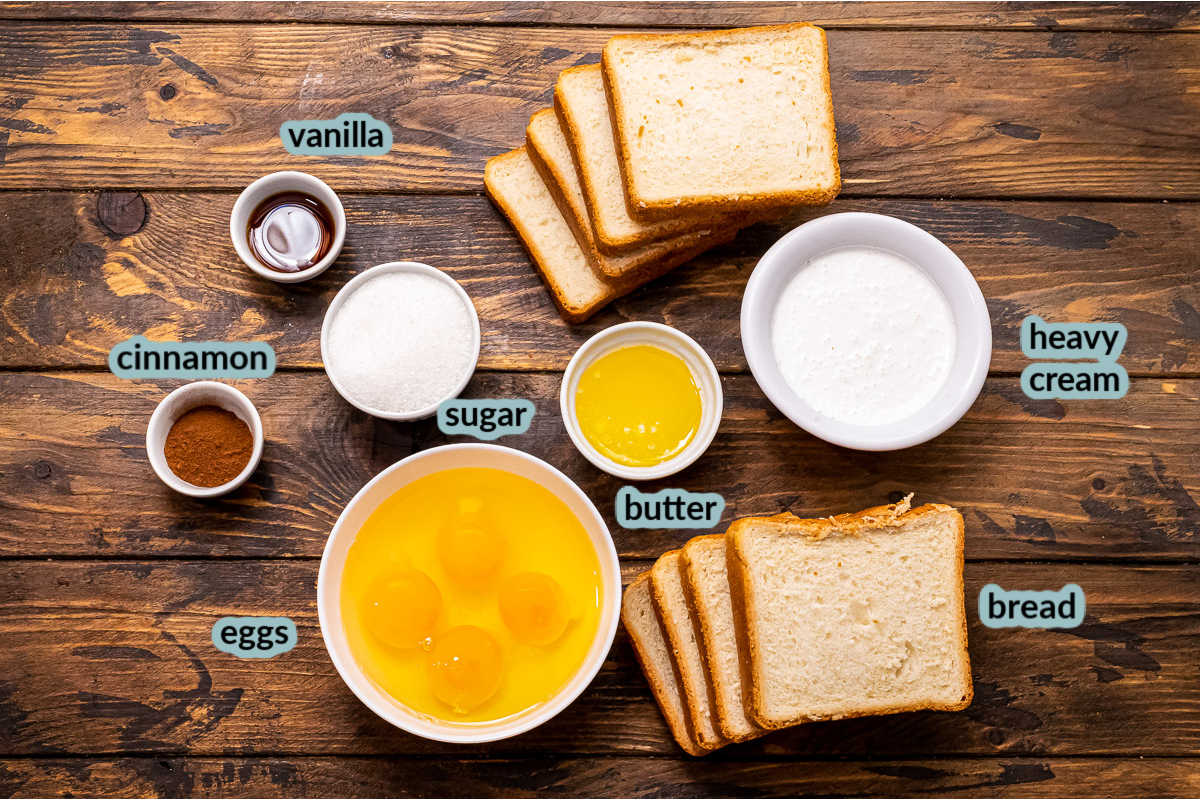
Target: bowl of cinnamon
{"type": "Point", "coordinates": [204, 439]}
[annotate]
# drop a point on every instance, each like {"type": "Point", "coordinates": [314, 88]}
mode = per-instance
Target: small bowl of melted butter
{"type": "Point", "coordinates": [288, 226]}
{"type": "Point", "coordinates": [641, 401]}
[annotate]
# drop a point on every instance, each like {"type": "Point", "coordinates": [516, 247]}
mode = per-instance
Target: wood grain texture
{"type": "Point", "coordinates": [110, 657]}
{"type": "Point", "coordinates": [615, 776]}
{"type": "Point", "coordinates": [1129, 16]}
{"type": "Point", "coordinates": [963, 113]}
{"type": "Point", "coordinates": [75, 286]}
{"type": "Point", "coordinates": [1045, 480]}
{"type": "Point", "coordinates": [126, 131]}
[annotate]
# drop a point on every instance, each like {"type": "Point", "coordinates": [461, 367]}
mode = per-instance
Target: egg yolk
{"type": "Point", "coordinates": [401, 608]}
{"type": "Point", "coordinates": [534, 607]}
{"type": "Point", "coordinates": [465, 668]}
{"type": "Point", "coordinates": [639, 406]}
{"type": "Point", "coordinates": [469, 547]}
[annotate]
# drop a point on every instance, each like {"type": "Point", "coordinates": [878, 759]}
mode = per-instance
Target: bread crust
{"type": "Point", "coordinates": [569, 311]}
{"type": "Point", "coordinates": [705, 624]}
{"type": "Point", "coordinates": [618, 287]}
{"type": "Point", "coordinates": [674, 636]}
{"type": "Point", "coordinates": [647, 209]}
{"type": "Point", "coordinates": [610, 266]}
{"type": "Point", "coordinates": [680, 727]}
{"type": "Point", "coordinates": [870, 519]}
{"type": "Point", "coordinates": [609, 241]}
{"type": "Point", "coordinates": [735, 568]}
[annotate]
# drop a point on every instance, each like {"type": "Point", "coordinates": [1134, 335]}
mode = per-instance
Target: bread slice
{"type": "Point", "coordinates": [650, 645]}
{"type": "Point", "coordinates": [583, 109]}
{"type": "Point", "coordinates": [578, 289]}
{"type": "Point", "coordinates": [852, 615]}
{"type": "Point", "coordinates": [683, 636]}
{"type": "Point", "coordinates": [547, 146]}
{"type": "Point", "coordinates": [706, 586]}
{"type": "Point", "coordinates": [723, 120]}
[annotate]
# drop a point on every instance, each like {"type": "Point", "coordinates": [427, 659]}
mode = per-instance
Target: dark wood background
{"type": "Point", "coordinates": [1055, 147]}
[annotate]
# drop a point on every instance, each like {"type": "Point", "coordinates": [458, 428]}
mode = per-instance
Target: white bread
{"type": "Point", "coordinates": [706, 586]}
{"type": "Point", "coordinates": [578, 289]}
{"type": "Point", "coordinates": [582, 105]}
{"type": "Point", "coordinates": [723, 120]}
{"type": "Point", "coordinates": [683, 637]}
{"type": "Point", "coordinates": [547, 146]}
{"type": "Point", "coordinates": [650, 644]}
{"type": "Point", "coordinates": [851, 615]}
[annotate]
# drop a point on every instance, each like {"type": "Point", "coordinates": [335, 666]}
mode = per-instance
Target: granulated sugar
{"type": "Point", "coordinates": [401, 342]}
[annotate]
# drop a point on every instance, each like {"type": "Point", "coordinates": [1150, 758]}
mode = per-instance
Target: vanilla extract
{"type": "Point", "coordinates": [290, 231]}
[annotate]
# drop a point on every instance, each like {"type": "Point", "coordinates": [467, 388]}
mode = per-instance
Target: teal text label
{"type": "Point", "coordinates": [1062, 609]}
{"type": "Point", "coordinates": [1102, 341]}
{"type": "Point", "coordinates": [485, 419]}
{"type": "Point", "coordinates": [254, 637]}
{"type": "Point", "coordinates": [1082, 380]}
{"type": "Point", "coordinates": [139, 357]}
{"type": "Point", "coordinates": [350, 134]}
{"type": "Point", "coordinates": [668, 508]}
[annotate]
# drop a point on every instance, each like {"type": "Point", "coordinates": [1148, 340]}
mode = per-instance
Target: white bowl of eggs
{"type": "Point", "coordinates": [469, 593]}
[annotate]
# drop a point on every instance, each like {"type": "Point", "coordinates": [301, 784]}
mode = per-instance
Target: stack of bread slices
{"type": "Point", "coordinates": [665, 149]}
{"type": "Point", "coordinates": [782, 620]}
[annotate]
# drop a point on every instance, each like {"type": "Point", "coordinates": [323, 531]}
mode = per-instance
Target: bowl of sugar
{"type": "Point", "coordinates": [866, 331]}
{"type": "Point", "coordinates": [399, 339]}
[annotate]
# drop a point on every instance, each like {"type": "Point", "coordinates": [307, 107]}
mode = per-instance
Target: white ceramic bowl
{"type": "Point", "coordinates": [184, 399]}
{"type": "Point", "coordinates": [971, 321]}
{"type": "Point", "coordinates": [276, 182]}
{"type": "Point", "coordinates": [359, 280]}
{"type": "Point", "coordinates": [386, 483]}
{"type": "Point", "coordinates": [629, 334]}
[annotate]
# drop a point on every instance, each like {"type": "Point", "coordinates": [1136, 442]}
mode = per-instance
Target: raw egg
{"type": "Point", "coordinates": [471, 595]}
{"type": "Point", "coordinates": [465, 667]}
{"type": "Point", "coordinates": [470, 547]}
{"type": "Point", "coordinates": [534, 607]}
{"type": "Point", "coordinates": [639, 406]}
{"type": "Point", "coordinates": [400, 608]}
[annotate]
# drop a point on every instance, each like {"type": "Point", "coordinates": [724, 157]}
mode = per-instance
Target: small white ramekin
{"type": "Point", "coordinates": [629, 334]}
{"type": "Point", "coordinates": [972, 324]}
{"type": "Point", "coordinates": [288, 181]}
{"type": "Point", "coordinates": [387, 483]}
{"type": "Point", "coordinates": [359, 280]}
{"type": "Point", "coordinates": [178, 403]}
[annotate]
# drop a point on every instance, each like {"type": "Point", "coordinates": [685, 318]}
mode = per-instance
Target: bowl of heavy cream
{"type": "Point", "coordinates": [866, 331]}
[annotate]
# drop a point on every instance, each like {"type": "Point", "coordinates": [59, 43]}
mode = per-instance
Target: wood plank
{"type": "Point", "coordinates": [618, 776]}
{"type": "Point", "coordinates": [962, 113]}
{"type": "Point", "coordinates": [79, 281]}
{"type": "Point", "coordinates": [1046, 480]}
{"type": "Point", "coordinates": [110, 657]}
{"type": "Point", "coordinates": [1144, 16]}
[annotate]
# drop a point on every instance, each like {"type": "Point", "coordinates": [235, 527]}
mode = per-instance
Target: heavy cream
{"type": "Point", "coordinates": [863, 336]}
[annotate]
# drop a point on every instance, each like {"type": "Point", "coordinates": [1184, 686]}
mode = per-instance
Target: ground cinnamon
{"type": "Point", "coordinates": [208, 446]}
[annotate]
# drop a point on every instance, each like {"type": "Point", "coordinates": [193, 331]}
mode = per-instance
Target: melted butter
{"type": "Point", "coordinates": [639, 405]}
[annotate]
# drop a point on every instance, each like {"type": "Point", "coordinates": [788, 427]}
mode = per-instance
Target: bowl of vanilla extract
{"type": "Point", "coordinates": [288, 226]}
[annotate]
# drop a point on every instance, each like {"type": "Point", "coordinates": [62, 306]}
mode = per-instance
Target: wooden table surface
{"type": "Point", "coordinates": [1055, 148]}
